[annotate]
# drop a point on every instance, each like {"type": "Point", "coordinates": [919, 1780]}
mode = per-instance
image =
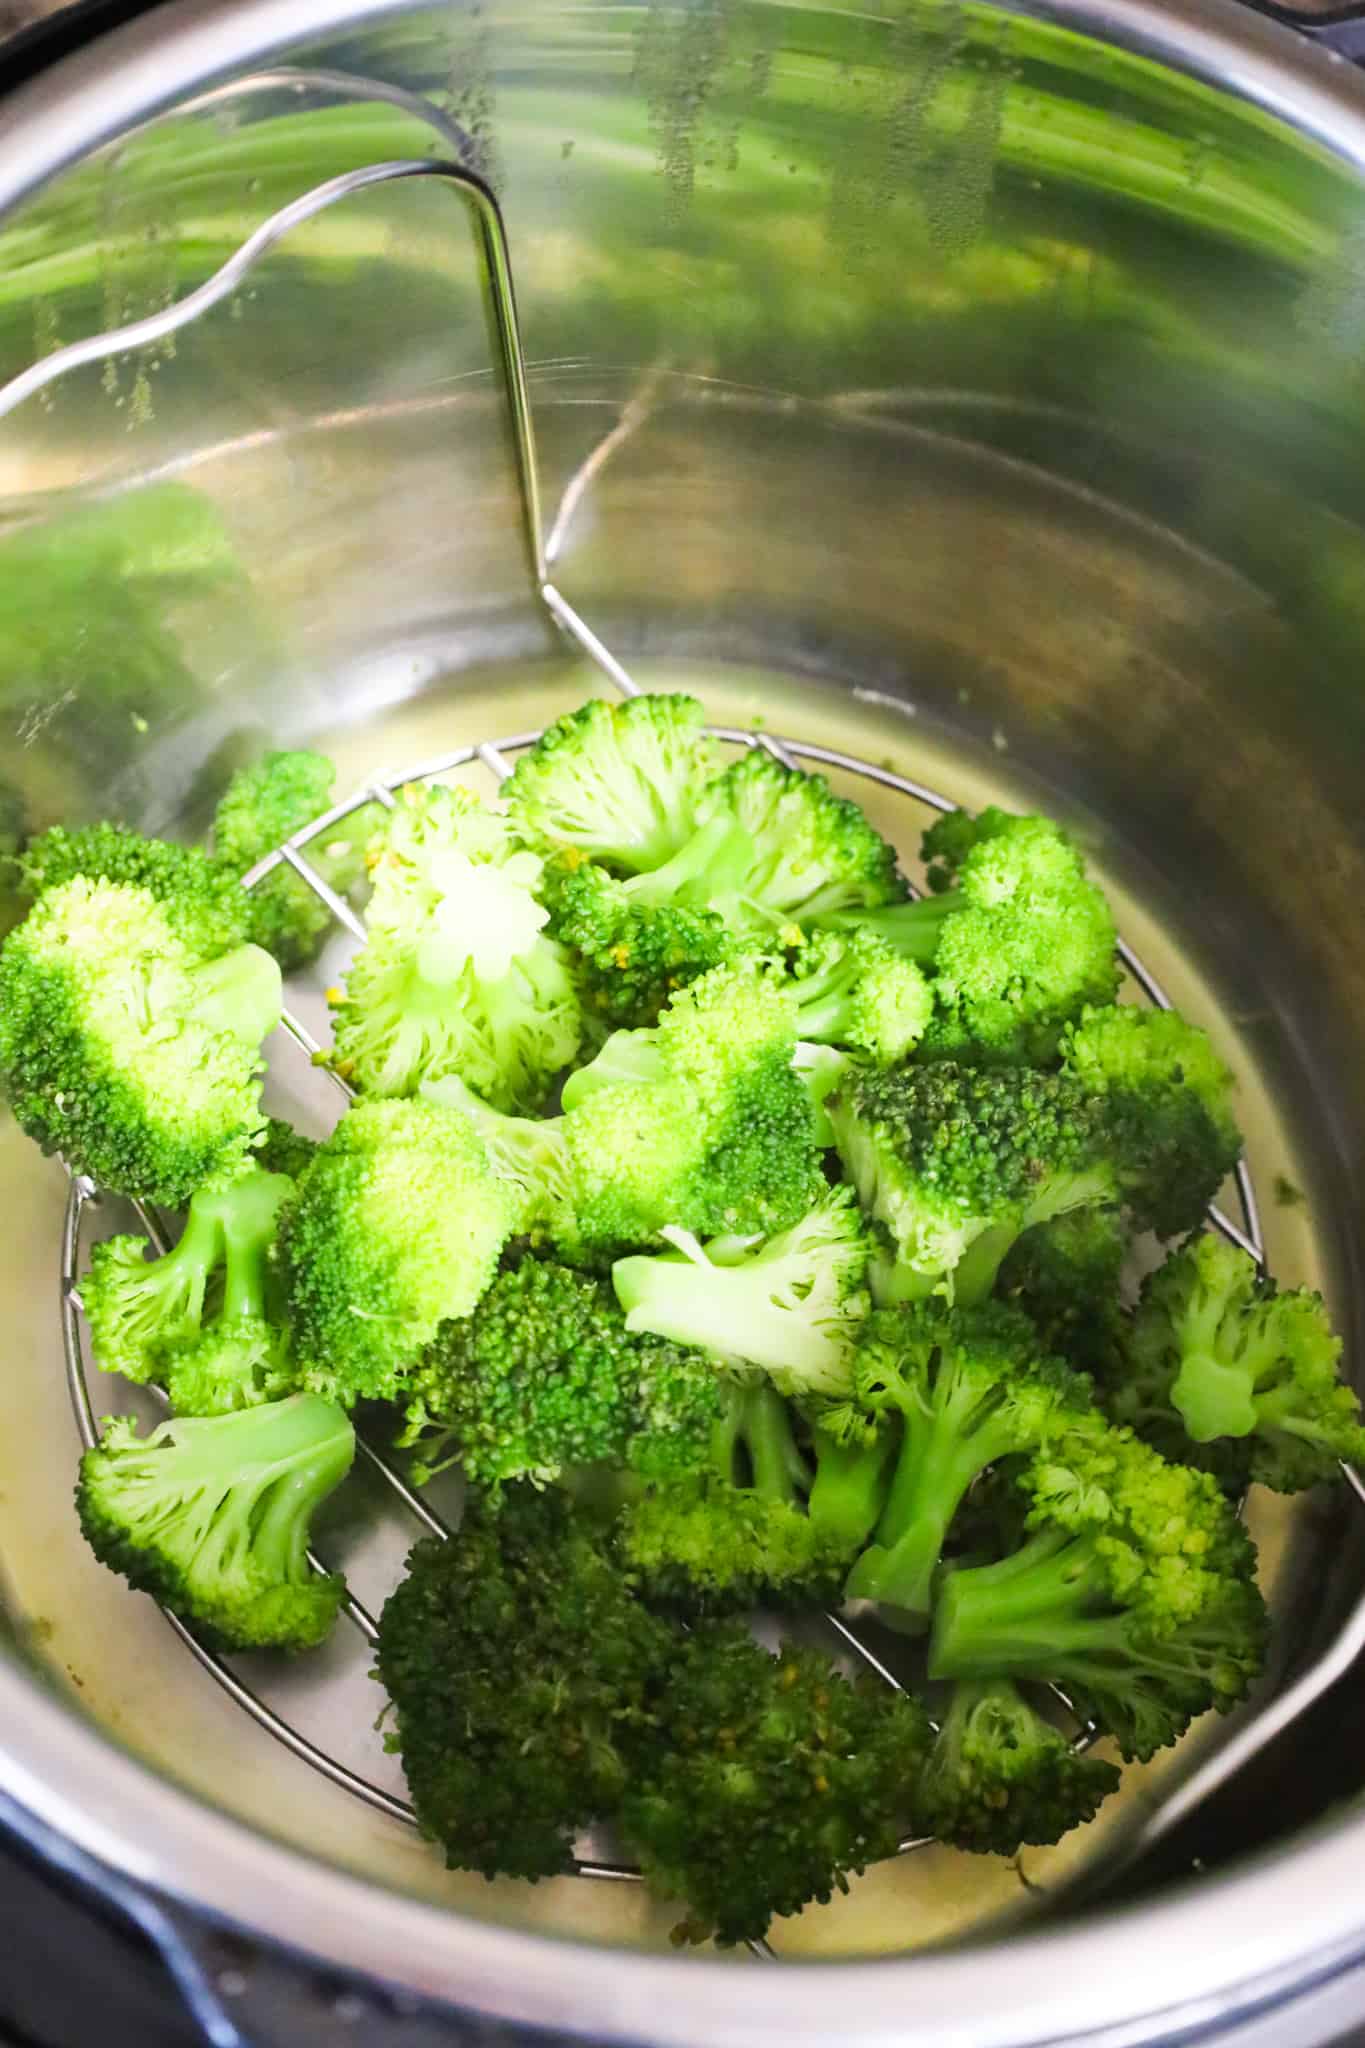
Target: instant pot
{"type": "Point", "coordinates": [975, 392]}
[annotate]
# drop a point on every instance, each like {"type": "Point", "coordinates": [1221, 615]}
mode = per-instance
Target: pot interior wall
{"type": "Point", "coordinates": [982, 404]}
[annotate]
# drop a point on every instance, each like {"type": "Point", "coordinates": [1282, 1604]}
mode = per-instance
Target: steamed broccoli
{"type": "Point", "coordinates": [457, 976]}
{"type": "Point", "coordinates": [967, 1387]}
{"type": "Point", "coordinates": [127, 1046]}
{"type": "Point", "coordinates": [851, 988]}
{"type": "Point", "coordinates": [396, 1228]}
{"type": "Point", "coordinates": [999, 1776]}
{"type": "Point", "coordinates": [211, 1514]}
{"type": "Point", "coordinates": [262, 806]}
{"type": "Point", "coordinates": [517, 1661]}
{"type": "Point", "coordinates": [769, 1523]}
{"type": "Point", "coordinates": [762, 1782]}
{"type": "Point", "coordinates": [202, 903]}
{"type": "Point", "coordinates": [283, 1149]}
{"type": "Point", "coordinates": [629, 957]}
{"type": "Point", "coordinates": [791, 1303]}
{"type": "Point", "coordinates": [1066, 1276]}
{"type": "Point", "coordinates": [618, 782]}
{"type": "Point", "coordinates": [1134, 1591]}
{"type": "Point", "coordinates": [1218, 1358]}
{"type": "Point", "coordinates": [1021, 942]}
{"type": "Point", "coordinates": [543, 1374]}
{"type": "Point", "coordinates": [201, 1319]}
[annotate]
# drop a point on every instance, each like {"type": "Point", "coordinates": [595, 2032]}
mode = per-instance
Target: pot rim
{"type": "Point", "coordinates": [1148, 1970]}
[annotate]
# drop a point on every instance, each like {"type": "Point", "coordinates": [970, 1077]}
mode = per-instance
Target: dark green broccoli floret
{"type": "Point", "coordinates": [543, 1374]}
{"type": "Point", "coordinates": [202, 903]}
{"type": "Point", "coordinates": [966, 1388]}
{"type": "Point", "coordinates": [1219, 1359]}
{"type": "Point", "coordinates": [771, 1523]}
{"type": "Point", "coordinates": [1066, 1275]}
{"type": "Point", "coordinates": [1020, 944]}
{"type": "Point", "coordinates": [283, 1149]}
{"type": "Point", "coordinates": [852, 988]}
{"type": "Point", "coordinates": [764, 1782]}
{"type": "Point", "coordinates": [457, 975]}
{"type": "Point", "coordinates": [517, 1661]}
{"type": "Point", "coordinates": [210, 1515]}
{"type": "Point", "coordinates": [397, 1227]}
{"type": "Point", "coordinates": [1134, 1592]}
{"type": "Point", "coordinates": [202, 1319]}
{"type": "Point", "coordinates": [630, 957]}
{"type": "Point", "coordinates": [999, 1776]}
{"type": "Point", "coordinates": [262, 806]}
{"type": "Point", "coordinates": [791, 1304]}
{"type": "Point", "coordinates": [126, 1047]}
{"type": "Point", "coordinates": [618, 782]}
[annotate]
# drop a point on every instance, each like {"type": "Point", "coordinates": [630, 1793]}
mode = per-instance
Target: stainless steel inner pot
{"type": "Point", "coordinates": [976, 390]}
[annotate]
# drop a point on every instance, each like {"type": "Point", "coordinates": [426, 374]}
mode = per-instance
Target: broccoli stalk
{"type": "Point", "coordinates": [211, 1516]}
{"type": "Point", "coordinates": [791, 1304]}
{"type": "Point", "coordinates": [999, 1776]}
{"type": "Point", "coordinates": [969, 1388]}
{"type": "Point", "coordinates": [1134, 1591]}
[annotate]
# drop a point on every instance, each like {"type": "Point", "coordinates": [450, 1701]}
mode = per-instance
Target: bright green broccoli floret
{"type": "Point", "coordinates": [397, 1228]}
{"type": "Point", "coordinates": [770, 1523]}
{"type": "Point", "coordinates": [1218, 1358]}
{"type": "Point", "coordinates": [543, 1374]}
{"type": "Point", "coordinates": [966, 1388]}
{"type": "Point", "coordinates": [202, 1319]}
{"type": "Point", "coordinates": [1066, 1276]}
{"type": "Point", "coordinates": [763, 1782]}
{"type": "Point", "coordinates": [131, 1051]}
{"type": "Point", "coordinates": [283, 1149]}
{"type": "Point", "coordinates": [630, 957]}
{"type": "Point", "coordinates": [517, 1661]}
{"type": "Point", "coordinates": [1134, 1592]}
{"type": "Point", "coordinates": [1021, 942]}
{"type": "Point", "coordinates": [999, 1776]}
{"type": "Point", "coordinates": [210, 1515]}
{"type": "Point", "coordinates": [203, 905]}
{"type": "Point", "coordinates": [791, 1304]}
{"type": "Point", "coordinates": [851, 988]}
{"type": "Point", "coordinates": [457, 976]}
{"type": "Point", "coordinates": [262, 806]}
{"type": "Point", "coordinates": [619, 782]}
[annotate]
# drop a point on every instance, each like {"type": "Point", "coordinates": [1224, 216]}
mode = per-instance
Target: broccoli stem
{"type": "Point", "coordinates": [846, 1493]}
{"type": "Point", "coordinates": [726, 1309]}
{"type": "Point", "coordinates": [753, 1445]}
{"type": "Point", "coordinates": [247, 1212]}
{"type": "Point", "coordinates": [239, 993]}
{"type": "Point", "coordinates": [712, 863]}
{"type": "Point", "coordinates": [1031, 1613]}
{"type": "Point", "coordinates": [912, 929]}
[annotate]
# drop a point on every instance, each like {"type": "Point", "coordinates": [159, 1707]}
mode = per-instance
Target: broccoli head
{"type": "Point", "coordinates": [1066, 1277]}
{"type": "Point", "coordinates": [210, 1515]}
{"type": "Point", "coordinates": [853, 989]}
{"type": "Point", "coordinates": [202, 903]}
{"type": "Point", "coordinates": [544, 1374]}
{"type": "Point", "coordinates": [1221, 1367]}
{"type": "Point", "coordinates": [1134, 1590]}
{"type": "Point", "coordinates": [999, 1777]}
{"type": "Point", "coordinates": [791, 1303]}
{"type": "Point", "coordinates": [629, 957]}
{"type": "Point", "coordinates": [457, 975]}
{"type": "Point", "coordinates": [517, 1662]}
{"type": "Point", "coordinates": [763, 1782]}
{"type": "Point", "coordinates": [282, 1149]}
{"type": "Point", "coordinates": [262, 806]}
{"type": "Point", "coordinates": [397, 1227]}
{"type": "Point", "coordinates": [617, 782]}
{"type": "Point", "coordinates": [127, 1048]}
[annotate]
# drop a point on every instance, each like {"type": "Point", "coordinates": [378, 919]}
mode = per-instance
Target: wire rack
{"type": "Point", "coordinates": [271, 1698]}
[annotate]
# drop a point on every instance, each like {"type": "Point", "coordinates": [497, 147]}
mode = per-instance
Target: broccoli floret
{"type": "Point", "coordinates": [1022, 942]}
{"type": "Point", "coordinates": [763, 1782]}
{"type": "Point", "coordinates": [201, 1319]}
{"type": "Point", "coordinates": [1169, 1099]}
{"type": "Point", "coordinates": [629, 957]}
{"type": "Point", "coordinates": [457, 976]}
{"type": "Point", "coordinates": [283, 1149]}
{"type": "Point", "coordinates": [210, 1515]}
{"type": "Point", "coordinates": [202, 903]}
{"type": "Point", "coordinates": [769, 1523]}
{"type": "Point", "coordinates": [1066, 1276]}
{"type": "Point", "coordinates": [619, 782]}
{"type": "Point", "coordinates": [1218, 1358]}
{"type": "Point", "coordinates": [262, 806]}
{"type": "Point", "coordinates": [517, 1660]}
{"type": "Point", "coordinates": [1134, 1592]}
{"type": "Point", "coordinates": [543, 1374]}
{"type": "Point", "coordinates": [127, 1048]}
{"type": "Point", "coordinates": [852, 989]}
{"type": "Point", "coordinates": [999, 1776]}
{"type": "Point", "coordinates": [791, 1304]}
{"type": "Point", "coordinates": [396, 1228]}
{"type": "Point", "coordinates": [967, 1387]}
